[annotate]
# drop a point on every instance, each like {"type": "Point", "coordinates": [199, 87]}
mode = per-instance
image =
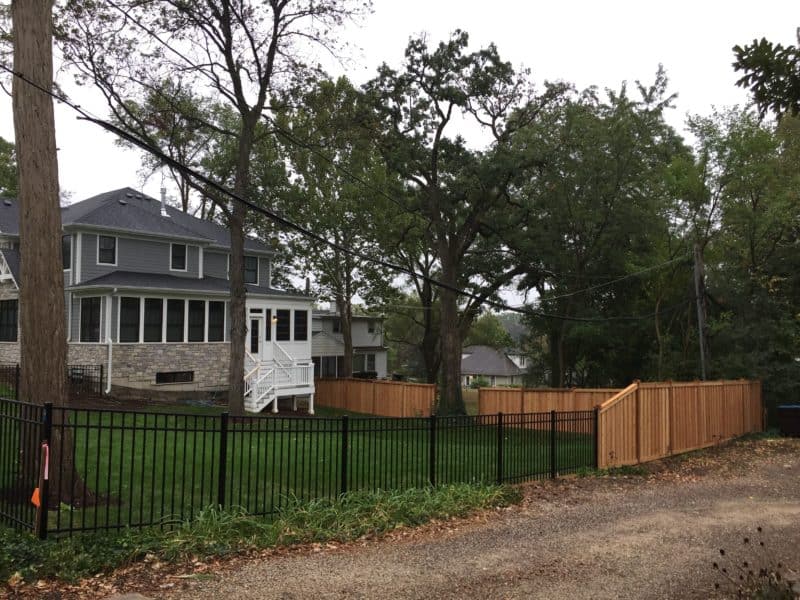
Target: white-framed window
{"type": "Point", "coordinates": [251, 269]}
{"type": "Point", "coordinates": [129, 319]}
{"type": "Point", "coordinates": [106, 250]}
{"type": "Point", "coordinates": [90, 319]}
{"type": "Point", "coordinates": [177, 257]}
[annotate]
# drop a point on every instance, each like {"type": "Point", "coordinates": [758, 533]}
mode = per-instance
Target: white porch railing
{"type": "Point", "coordinates": [264, 382]}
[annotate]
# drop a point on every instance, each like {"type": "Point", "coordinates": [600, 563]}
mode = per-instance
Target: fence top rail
{"type": "Point", "coordinates": [619, 396]}
{"type": "Point", "coordinates": [379, 381]}
{"type": "Point", "coordinates": [697, 383]}
{"type": "Point", "coordinates": [546, 389]}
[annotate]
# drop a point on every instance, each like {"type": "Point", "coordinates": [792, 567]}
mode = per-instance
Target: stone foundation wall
{"type": "Point", "coordinates": [136, 365]}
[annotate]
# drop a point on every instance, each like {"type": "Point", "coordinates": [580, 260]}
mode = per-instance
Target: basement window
{"type": "Point", "coordinates": [174, 377]}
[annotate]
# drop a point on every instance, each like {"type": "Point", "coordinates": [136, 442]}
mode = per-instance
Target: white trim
{"type": "Point", "coordinates": [185, 321]}
{"type": "Point", "coordinates": [205, 322]}
{"type": "Point", "coordinates": [185, 257]}
{"type": "Point", "coordinates": [69, 268]}
{"type": "Point", "coordinates": [141, 320]}
{"type": "Point", "coordinates": [200, 262]}
{"type": "Point", "coordinates": [69, 318]}
{"type": "Point", "coordinates": [78, 245]}
{"type": "Point", "coordinates": [116, 250]}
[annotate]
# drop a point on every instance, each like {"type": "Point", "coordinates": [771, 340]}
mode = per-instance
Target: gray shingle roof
{"type": "Point", "coordinates": [127, 209]}
{"type": "Point", "coordinates": [484, 360]}
{"type": "Point", "coordinates": [164, 282]}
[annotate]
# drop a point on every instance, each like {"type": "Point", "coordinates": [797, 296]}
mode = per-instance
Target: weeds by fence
{"type": "Point", "coordinates": [148, 469]}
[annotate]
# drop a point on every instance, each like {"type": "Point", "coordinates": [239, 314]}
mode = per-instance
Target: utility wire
{"type": "Point", "coordinates": [276, 218]}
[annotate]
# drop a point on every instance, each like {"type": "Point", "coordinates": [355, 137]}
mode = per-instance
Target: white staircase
{"type": "Point", "coordinates": [265, 382]}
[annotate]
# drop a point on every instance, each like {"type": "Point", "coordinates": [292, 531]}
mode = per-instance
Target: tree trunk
{"type": "Point", "coordinates": [451, 401]}
{"type": "Point", "coordinates": [43, 339]}
{"type": "Point", "coordinates": [346, 322]}
{"type": "Point", "coordinates": [238, 293]}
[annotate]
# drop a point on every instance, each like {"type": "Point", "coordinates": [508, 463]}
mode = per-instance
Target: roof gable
{"type": "Point", "coordinates": [484, 360]}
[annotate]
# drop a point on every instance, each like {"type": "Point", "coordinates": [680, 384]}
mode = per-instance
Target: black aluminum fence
{"type": "Point", "coordinates": [82, 380]}
{"type": "Point", "coordinates": [111, 469]}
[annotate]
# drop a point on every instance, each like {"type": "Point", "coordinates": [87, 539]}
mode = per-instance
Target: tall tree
{"type": "Point", "coordinates": [601, 206]}
{"type": "Point", "coordinates": [772, 74]}
{"type": "Point", "coordinates": [43, 341]}
{"type": "Point", "coordinates": [238, 52]}
{"type": "Point", "coordinates": [461, 193]}
{"type": "Point", "coordinates": [340, 191]}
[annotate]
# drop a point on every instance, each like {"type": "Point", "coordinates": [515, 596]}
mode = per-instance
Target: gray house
{"type": "Point", "coordinates": [327, 347]}
{"type": "Point", "coordinates": [497, 367]}
{"type": "Point", "coordinates": [147, 295]}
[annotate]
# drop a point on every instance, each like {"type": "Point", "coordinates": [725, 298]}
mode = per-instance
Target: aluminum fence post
{"type": "Point", "coordinates": [432, 450]}
{"type": "Point", "coordinates": [223, 458]}
{"type": "Point", "coordinates": [500, 435]}
{"type": "Point", "coordinates": [553, 469]}
{"type": "Point", "coordinates": [596, 437]}
{"type": "Point", "coordinates": [345, 428]}
{"type": "Point", "coordinates": [44, 468]}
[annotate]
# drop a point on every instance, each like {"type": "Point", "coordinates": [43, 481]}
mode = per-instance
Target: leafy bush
{"type": "Point", "coordinates": [215, 532]}
{"type": "Point", "coordinates": [479, 382]}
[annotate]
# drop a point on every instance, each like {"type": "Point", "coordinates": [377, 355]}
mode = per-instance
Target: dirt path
{"type": "Point", "coordinates": [634, 537]}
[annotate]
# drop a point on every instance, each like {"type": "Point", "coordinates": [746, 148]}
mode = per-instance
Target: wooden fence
{"type": "Point", "coordinates": [519, 400]}
{"type": "Point", "coordinates": [373, 397]}
{"type": "Point", "coordinates": [647, 421]}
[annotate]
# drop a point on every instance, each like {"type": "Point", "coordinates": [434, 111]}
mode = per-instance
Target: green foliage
{"type": "Point", "coordinates": [8, 169]}
{"type": "Point", "coordinates": [488, 330]}
{"type": "Point", "coordinates": [479, 382]}
{"type": "Point", "coordinates": [216, 533]}
{"type": "Point", "coordinates": [771, 74]}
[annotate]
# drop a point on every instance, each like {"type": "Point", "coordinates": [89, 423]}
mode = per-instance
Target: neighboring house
{"type": "Point", "coordinates": [327, 346]}
{"type": "Point", "coordinates": [147, 295]}
{"type": "Point", "coordinates": [488, 363]}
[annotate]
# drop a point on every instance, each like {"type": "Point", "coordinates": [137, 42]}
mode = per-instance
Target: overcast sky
{"type": "Point", "coordinates": [586, 42]}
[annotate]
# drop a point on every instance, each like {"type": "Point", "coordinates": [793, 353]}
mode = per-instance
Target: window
{"type": "Point", "coordinates": [216, 321]}
{"type": "Point", "coordinates": [128, 319]}
{"type": "Point", "coordinates": [358, 363]}
{"type": "Point", "coordinates": [254, 335]}
{"type": "Point", "coordinates": [175, 377]}
{"type": "Point", "coordinates": [90, 319]}
{"type": "Point", "coordinates": [197, 320]}
{"type": "Point", "coordinates": [178, 257]}
{"type": "Point", "coordinates": [251, 269]}
{"type": "Point", "coordinates": [337, 326]}
{"type": "Point", "coordinates": [9, 310]}
{"type": "Point", "coordinates": [268, 326]}
{"type": "Point", "coordinates": [106, 250]}
{"type": "Point", "coordinates": [370, 362]}
{"type": "Point", "coordinates": [301, 325]}
{"type": "Point", "coordinates": [66, 252]}
{"type": "Point", "coordinates": [175, 318]}
{"type": "Point", "coordinates": [282, 329]}
{"type": "Point", "coordinates": [153, 319]}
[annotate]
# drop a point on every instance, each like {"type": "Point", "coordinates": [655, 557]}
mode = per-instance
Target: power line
{"type": "Point", "coordinates": [276, 218]}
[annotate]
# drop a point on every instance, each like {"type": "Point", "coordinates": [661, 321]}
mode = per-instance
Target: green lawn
{"type": "Point", "coordinates": [166, 467]}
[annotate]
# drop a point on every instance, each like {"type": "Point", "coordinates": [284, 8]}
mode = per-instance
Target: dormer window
{"type": "Point", "coordinates": [178, 257]}
{"type": "Point", "coordinates": [106, 250]}
{"type": "Point", "coordinates": [251, 269]}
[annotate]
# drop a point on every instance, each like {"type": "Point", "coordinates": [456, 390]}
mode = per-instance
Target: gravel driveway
{"type": "Point", "coordinates": [620, 537]}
